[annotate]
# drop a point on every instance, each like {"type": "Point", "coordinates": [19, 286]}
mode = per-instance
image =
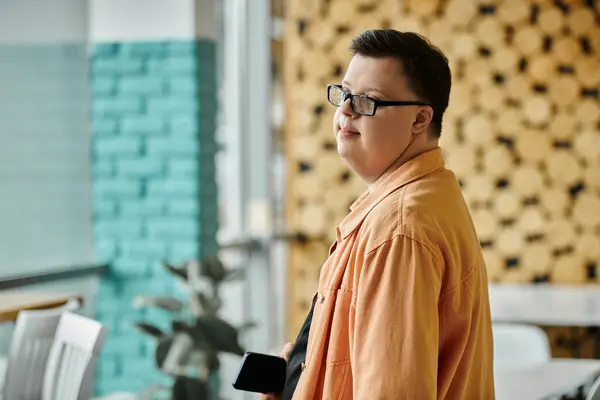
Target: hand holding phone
{"type": "Point", "coordinates": [273, 391]}
{"type": "Point", "coordinates": [261, 373]}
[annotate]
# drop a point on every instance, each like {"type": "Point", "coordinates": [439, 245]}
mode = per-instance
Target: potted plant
{"type": "Point", "coordinates": [189, 351]}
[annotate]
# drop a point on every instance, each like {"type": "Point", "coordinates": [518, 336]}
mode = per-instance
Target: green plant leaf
{"type": "Point", "coordinates": [162, 350]}
{"type": "Point", "coordinates": [180, 272]}
{"type": "Point", "coordinates": [213, 333]}
{"type": "Point", "coordinates": [170, 304]}
{"type": "Point", "coordinates": [213, 268]}
{"type": "Point", "coordinates": [247, 326]}
{"type": "Point", "coordinates": [235, 274]}
{"type": "Point", "coordinates": [212, 362]}
{"type": "Point", "coordinates": [180, 326]}
{"type": "Point", "coordinates": [188, 388]}
{"type": "Point", "coordinates": [150, 330]}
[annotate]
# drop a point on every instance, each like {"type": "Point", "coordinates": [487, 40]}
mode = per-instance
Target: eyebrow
{"type": "Point", "coordinates": [367, 89]}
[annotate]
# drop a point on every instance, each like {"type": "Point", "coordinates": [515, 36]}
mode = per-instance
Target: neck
{"type": "Point", "coordinates": [410, 153]}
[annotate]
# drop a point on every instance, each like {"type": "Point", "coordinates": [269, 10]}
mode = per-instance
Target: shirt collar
{"type": "Point", "coordinates": [410, 171]}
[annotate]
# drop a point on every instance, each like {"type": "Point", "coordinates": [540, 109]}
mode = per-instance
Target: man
{"type": "Point", "coordinates": [402, 309]}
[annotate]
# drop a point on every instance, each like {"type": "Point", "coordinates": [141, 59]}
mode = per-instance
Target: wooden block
{"type": "Point", "coordinates": [527, 180]}
{"type": "Point", "coordinates": [422, 8]}
{"type": "Point", "coordinates": [477, 130]}
{"type": "Point", "coordinates": [485, 223]}
{"type": "Point", "coordinates": [536, 109]}
{"type": "Point", "coordinates": [531, 221]}
{"type": "Point", "coordinates": [507, 204]}
{"type": "Point", "coordinates": [517, 276]}
{"type": "Point", "coordinates": [307, 188]}
{"type": "Point", "coordinates": [463, 46]}
{"type": "Point", "coordinates": [542, 68]}
{"type": "Point", "coordinates": [408, 23]}
{"type": "Point", "coordinates": [563, 125]}
{"type": "Point", "coordinates": [365, 22]}
{"type": "Point", "coordinates": [555, 201]}
{"type": "Point", "coordinates": [510, 242]}
{"type": "Point", "coordinates": [497, 162]}
{"type": "Point", "coordinates": [312, 219]}
{"type": "Point", "coordinates": [586, 210]}
{"type": "Point", "coordinates": [587, 111]}
{"type": "Point", "coordinates": [513, 12]}
{"type": "Point", "coordinates": [563, 168]}
{"type": "Point", "coordinates": [489, 32]}
{"type": "Point", "coordinates": [461, 159]}
{"type": "Point", "coordinates": [322, 34]}
{"type": "Point", "coordinates": [569, 269]}
{"type": "Point", "coordinates": [591, 176]}
{"type": "Point", "coordinates": [461, 99]}
{"type": "Point", "coordinates": [489, 98]}
{"type": "Point", "coordinates": [537, 258]}
{"type": "Point", "coordinates": [505, 59]}
{"type": "Point", "coordinates": [440, 34]}
{"type": "Point", "coordinates": [494, 264]}
{"type": "Point", "coordinates": [329, 167]}
{"type": "Point", "coordinates": [339, 13]}
{"type": "Point", "coordinates": [479, 72]}
{"type": "Point", "coordinates": [533, 145]}
{"type": "Point", "coordinates": [566, 49]}
{"type": "Point", "coordinates": [560, 233]}
{"type": "Point", "coordinates": [587, 70]}
{"type": "Point", "coordinates": [460, 12]}
{"type": "Point", "coordinates": [551, 21]}
{"type": "Point", "coordinates": [581, 20]}
{"type": "Point", "coordinates": [509, 122]}
{"type": "Point", "coordinates": [594, 37]}
{"type": "Point", "coordinates": [317, 62]}
{"type": "Point", "coordinates": [588, 246]}
{"type": "Point", "coordinates": [479, 187]}
{"type": "Point", "coordinates": [529, 40]}
{"type": "Point", "coordinates": [340, 52]}
{"type": "Point", "coordinates": [518, 87]}
{"type": "Point", "coordinates": [587, 145]}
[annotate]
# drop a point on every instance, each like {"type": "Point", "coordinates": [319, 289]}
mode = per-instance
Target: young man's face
{"type": "Point", "coordinates": [370, 144]}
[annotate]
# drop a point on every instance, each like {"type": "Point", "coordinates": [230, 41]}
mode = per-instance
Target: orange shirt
{"type": "Point", "coordinates": [402, 308]}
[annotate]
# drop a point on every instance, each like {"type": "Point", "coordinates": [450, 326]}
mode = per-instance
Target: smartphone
{"type": "Point", "coordinates": [261, 373]}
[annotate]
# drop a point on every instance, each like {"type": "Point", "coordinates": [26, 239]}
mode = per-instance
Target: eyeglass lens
{"type": "Point", "coordinates": [360, 104]}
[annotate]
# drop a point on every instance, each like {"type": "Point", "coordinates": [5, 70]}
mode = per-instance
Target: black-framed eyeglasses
{"type": "Point", "coordinates": [362, 104]}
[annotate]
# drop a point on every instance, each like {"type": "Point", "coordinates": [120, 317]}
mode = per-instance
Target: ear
{"type": "Point", "coordinates": [422, 120]}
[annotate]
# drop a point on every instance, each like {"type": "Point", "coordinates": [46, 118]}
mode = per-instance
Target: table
{"type": "Point", "coordinates": [552, 379]}
{"type": "Point", "coordinates": [545, 304]}
{"type": "Point", "coordinates": [13, 301]}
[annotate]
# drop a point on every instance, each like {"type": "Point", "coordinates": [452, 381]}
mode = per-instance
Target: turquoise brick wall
{"type": "Point", "coordinates": [155, 196]}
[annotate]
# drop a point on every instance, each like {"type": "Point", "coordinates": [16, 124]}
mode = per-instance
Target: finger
{"type": "Point", "coordinates": [287, 350]}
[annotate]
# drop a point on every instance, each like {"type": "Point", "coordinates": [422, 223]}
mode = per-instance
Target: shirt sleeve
{"type": "Point", "coordinates": [394, 323]}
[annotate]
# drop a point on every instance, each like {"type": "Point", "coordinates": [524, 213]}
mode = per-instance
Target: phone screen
{"type": "Point", "coordinates": [261, 373]}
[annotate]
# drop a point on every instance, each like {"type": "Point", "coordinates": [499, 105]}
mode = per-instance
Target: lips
{"type": "Point", "coordinates": [347, 130]}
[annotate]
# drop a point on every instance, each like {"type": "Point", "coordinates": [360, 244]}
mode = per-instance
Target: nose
{"type": "Point", "coordinates": [346, 109]}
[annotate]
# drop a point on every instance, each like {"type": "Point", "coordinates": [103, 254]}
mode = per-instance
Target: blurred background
{"type": "Point", "coordinates": [170, 165]}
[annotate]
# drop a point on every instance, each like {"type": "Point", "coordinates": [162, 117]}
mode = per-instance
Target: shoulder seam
{"type": "Point", "coordinates": [396, 235]}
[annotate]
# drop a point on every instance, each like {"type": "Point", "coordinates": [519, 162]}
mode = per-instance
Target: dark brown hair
{"type": "Point", "coordinates": [424, 65]}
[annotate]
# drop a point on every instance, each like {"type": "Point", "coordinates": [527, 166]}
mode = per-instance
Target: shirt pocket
{"type": "Point", "coordinates": [337, 379]}
{"type": "Point", "coordinates": [338, 349]}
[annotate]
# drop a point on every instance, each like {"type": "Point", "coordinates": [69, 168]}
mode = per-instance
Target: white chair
{"type": "Point", "coordinates": [73, 358]}
{"type": "Point", "coordinates": [594, 392]}
{"type": "Point", "coordinates": [519, 345]}
{"type": "Point", "coordinates": [31, 342]}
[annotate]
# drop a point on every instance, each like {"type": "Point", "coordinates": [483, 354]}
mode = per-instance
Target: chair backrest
{"type": "Point", "coordinates": [73, 358]}
{"type": "Point", "coordinates": [594, 392]}
{"type": "Point", "coordinates": [519, 345]}
{"type": "Point", "coordinates": [32, 339]}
